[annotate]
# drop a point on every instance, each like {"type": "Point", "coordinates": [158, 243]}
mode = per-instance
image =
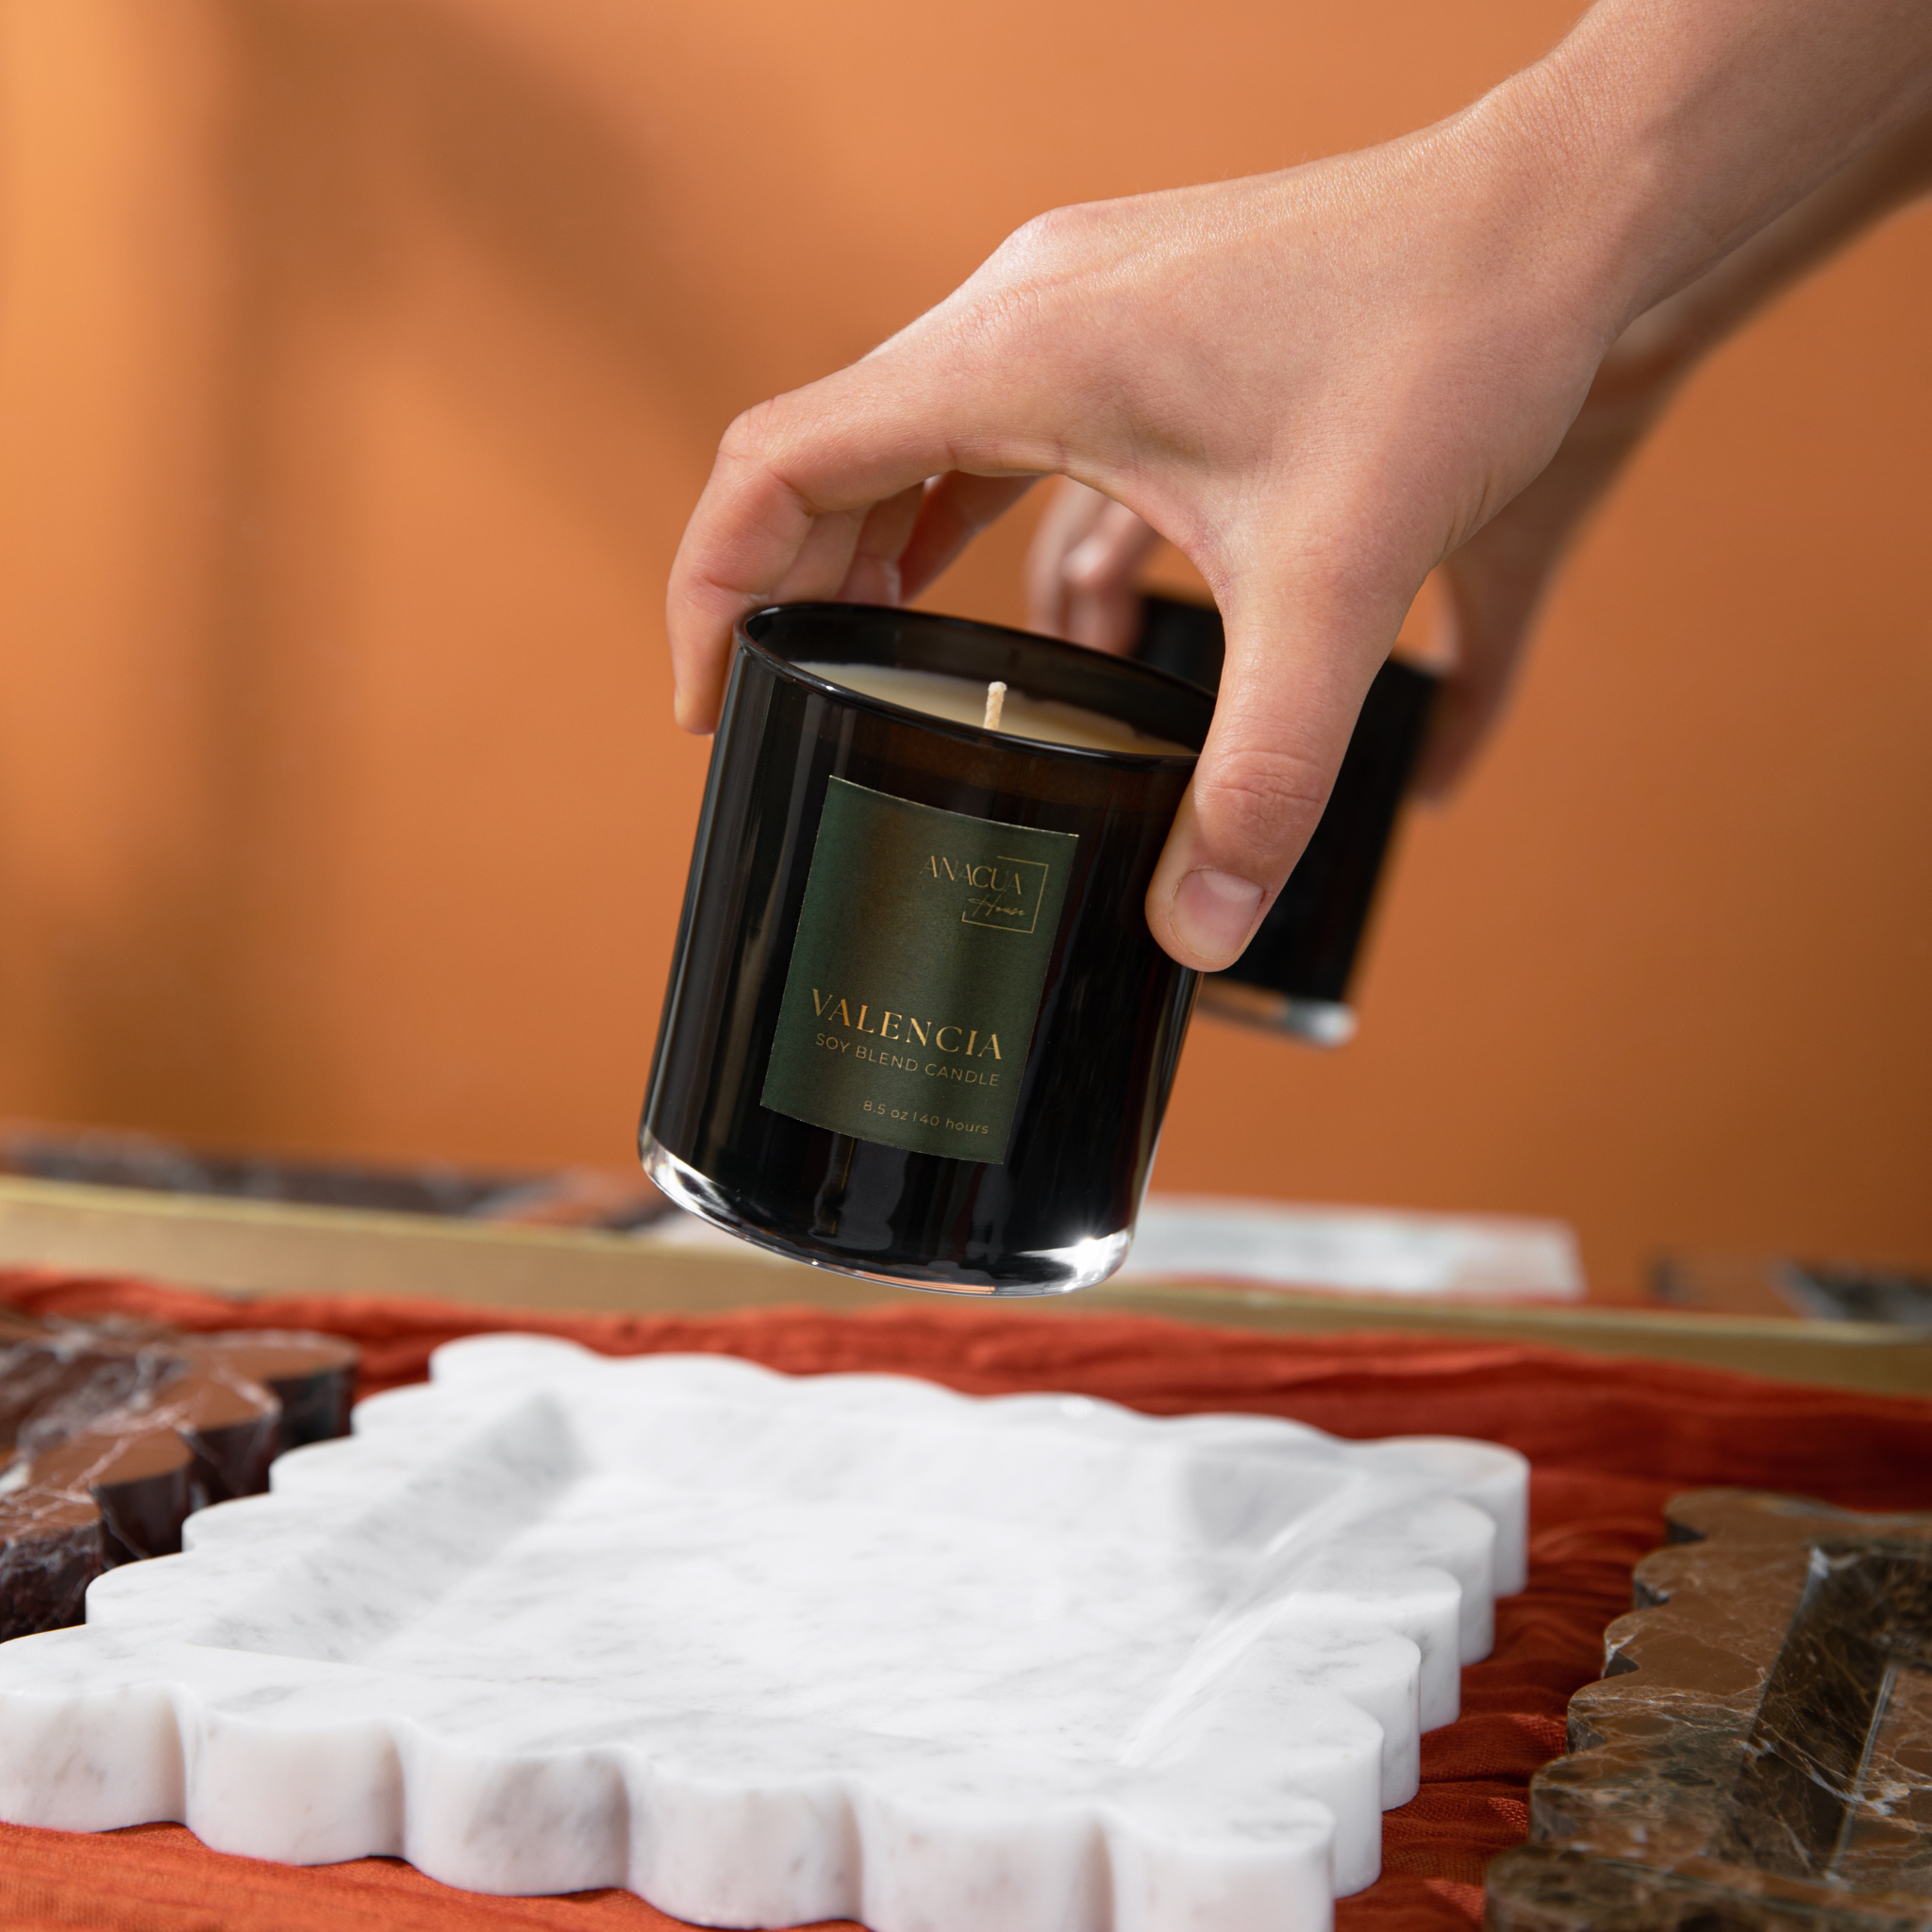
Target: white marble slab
{"type": "Point", "coordinates": [1358, 1250]}
{"type": "Point", "coordinates": [770, 1650]}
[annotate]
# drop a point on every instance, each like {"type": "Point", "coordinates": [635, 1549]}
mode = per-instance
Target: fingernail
{"type": "Point", "coordinates": [1213, 914]}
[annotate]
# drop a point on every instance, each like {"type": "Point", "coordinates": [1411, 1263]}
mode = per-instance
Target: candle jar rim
{"type": "Point", "coordinates": [1075, 655]}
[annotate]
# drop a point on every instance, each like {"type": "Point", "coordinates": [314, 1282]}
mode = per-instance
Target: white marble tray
{"type": "Point", "coordinates": [770, 1650]}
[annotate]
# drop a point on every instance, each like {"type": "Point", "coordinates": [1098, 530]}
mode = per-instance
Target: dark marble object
{"type": "Point", "coordinates": [1760, 1752]}
{"type": "Point", "coordinates": [1778, 1286]}
{"type": "Point", "coordinates": [1829, 1292]}
{"type": "Point", "coordinates": [112, 1434]}
{"type": "Point", "coordinates": [106, 1157]}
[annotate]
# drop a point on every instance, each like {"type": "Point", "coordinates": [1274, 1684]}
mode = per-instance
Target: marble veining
{"type": "Point", "coordinates": [1760, 1752]}
{"type": "Point", "coordinates": [766, 1649]}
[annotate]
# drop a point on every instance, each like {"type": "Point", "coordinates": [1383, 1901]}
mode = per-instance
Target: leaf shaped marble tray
{"type": "Point", "coordinates": [770, 1650]}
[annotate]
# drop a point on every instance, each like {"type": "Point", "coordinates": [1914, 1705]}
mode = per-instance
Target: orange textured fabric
{"type": "Point", "coordinates": [1608, 1440]}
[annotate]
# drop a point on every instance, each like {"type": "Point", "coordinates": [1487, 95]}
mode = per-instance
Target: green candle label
{"type": "Point", "coordinates": [916, 975]}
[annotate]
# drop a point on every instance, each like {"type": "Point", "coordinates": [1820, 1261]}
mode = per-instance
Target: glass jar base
{"type": "Point", "coordinates": [1318, 1023]}
{"type": "Point", "coordinates": [1035, 1272]}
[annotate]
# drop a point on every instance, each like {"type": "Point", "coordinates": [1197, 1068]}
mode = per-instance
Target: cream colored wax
{"type": "Point", "coordinates": [961, 701]}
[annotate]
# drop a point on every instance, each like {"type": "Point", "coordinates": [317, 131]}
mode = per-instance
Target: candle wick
{"type": "Point", "coordinates": [996, 704]}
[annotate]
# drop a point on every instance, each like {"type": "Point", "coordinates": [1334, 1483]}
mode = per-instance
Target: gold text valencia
{"type": "Point", "coordinates": [966, 1043]}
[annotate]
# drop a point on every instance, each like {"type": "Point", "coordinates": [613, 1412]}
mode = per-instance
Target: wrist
{"type": "Point", "coordinates": [1584, 187]}
{"type": "Point", "coordinates": [1659, 136]}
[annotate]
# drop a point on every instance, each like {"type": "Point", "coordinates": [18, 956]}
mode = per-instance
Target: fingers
{"type": "Point", "coordinates": [1072, 511]}
{"type": "Point", "coordinates": [1466, 710]}
{"type": "Point", "coordinates": [1484, 621]}
{"type": "Point", "coordinates": [751, 531]}
{"type": "Point", "coordinates": [1081, 571]}
{"type": "Point", "coordinates": [873, 575]}
{"type": "Point", "coordinates": [883, 554]}
{"type": "Point", "coordinates": [1011, 377]}
{"type": "Point", "coordinates": [788, 511]}
{"type": "Point", "coordinates": [1298, 667]}
{"type": "Point", "coordinates": [955, 508]}
{"type": "Point", "coordinates": [1103, 596]}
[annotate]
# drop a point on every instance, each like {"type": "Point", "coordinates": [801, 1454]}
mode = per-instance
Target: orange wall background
{"type": "Point", "coordinates": [360, 358]}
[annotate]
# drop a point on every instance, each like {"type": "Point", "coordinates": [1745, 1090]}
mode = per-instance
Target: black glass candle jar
{"type": "Point", "coordinates": [917, 1028]}
{"type": "Point", "coordinates": [1295, 975]}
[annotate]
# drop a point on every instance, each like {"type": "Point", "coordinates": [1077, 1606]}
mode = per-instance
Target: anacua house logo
{"type": "Point", "coordinates": [1003, 894]}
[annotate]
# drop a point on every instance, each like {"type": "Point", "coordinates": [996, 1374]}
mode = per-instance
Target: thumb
{"type": "Point", "coordinates": [1296, 671]}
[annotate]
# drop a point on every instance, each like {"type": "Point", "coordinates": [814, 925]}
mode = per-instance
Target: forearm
{"type": "Point", "coordinates": [1493, 585]}
{"type": "Point", "coordinates": [1669, 340]}
{"type": "Point", "coordinates": [1662, 136]}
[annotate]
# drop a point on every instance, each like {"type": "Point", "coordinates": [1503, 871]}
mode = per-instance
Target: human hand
{"type": "Point", "coordinates": [1083, 565]}
{"type": "Point", "coordinates": [1316, 383]}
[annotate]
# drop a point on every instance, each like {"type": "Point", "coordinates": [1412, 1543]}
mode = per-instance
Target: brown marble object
{"type": "Point", "coordinates": [1759, 1751]}
{"type": "Point", "coordinates": [106, 1157]}
{"type": "Point", "coordinates": [112, 1434]}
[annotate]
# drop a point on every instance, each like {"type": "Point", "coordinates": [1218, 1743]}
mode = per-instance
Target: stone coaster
{"type": "Point", "coordinates": [111, 1433]}
{"type": "Point", "coordinates": [1760, 1752]}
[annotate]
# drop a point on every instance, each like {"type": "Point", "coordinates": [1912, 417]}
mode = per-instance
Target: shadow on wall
{"type": "Point", "coordinates": [369, 175]}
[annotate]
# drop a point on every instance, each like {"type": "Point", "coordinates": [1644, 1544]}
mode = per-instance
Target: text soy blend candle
{"type": "Point", "coordinates": [917, 1028]}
